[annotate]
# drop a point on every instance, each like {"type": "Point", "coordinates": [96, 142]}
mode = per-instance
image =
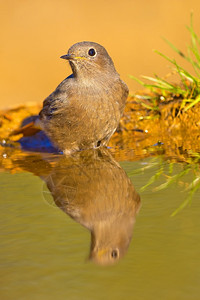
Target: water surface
{"type": "Point", "coordinates": [45, 253]}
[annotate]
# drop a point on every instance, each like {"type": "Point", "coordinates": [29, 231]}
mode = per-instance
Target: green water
{"type": "Point", "coordinates": [44, 253]}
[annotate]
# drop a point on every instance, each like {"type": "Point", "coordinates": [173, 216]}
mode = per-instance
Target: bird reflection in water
{"type": "Point", "coordinates": [95, 191]}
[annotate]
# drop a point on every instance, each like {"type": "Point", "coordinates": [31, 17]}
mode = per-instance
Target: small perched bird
{"type": "Point", "coordinates": [84, 110]}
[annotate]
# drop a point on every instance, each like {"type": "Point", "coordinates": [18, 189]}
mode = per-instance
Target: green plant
{"type": "Point", "coordinates": [188, 89]}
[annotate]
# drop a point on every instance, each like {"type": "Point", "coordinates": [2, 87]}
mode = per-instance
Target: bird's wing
{"type": "Point", "coordinates": [53, 103]}
{"type": "Point", "coordinates": [50, 106]}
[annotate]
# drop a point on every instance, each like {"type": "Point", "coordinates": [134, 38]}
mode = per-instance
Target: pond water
{"type": "Point", "coordinates": [77, 229]}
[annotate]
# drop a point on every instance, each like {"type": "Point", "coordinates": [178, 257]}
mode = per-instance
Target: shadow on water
{"type": "Point", "coordinates": [95, 191]}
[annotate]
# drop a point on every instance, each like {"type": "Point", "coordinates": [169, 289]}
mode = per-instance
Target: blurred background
{"type": "Point", "coordinates": [35, 33]}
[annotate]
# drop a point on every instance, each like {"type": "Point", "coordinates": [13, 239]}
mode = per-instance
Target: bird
{"type": "Point", "coordinates": [92, 188]}
{"type": "Point", "coordinates": [84, 110]}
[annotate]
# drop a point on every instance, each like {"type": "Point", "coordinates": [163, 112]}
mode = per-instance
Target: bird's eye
{"type": "Point", "coordinates": [114, 254]}
{"type": "Point", "coordinates": [91, 52]}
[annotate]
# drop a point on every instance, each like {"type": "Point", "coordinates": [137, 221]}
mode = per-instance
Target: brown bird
{"type": "Point", "coordinates": [84, 110]}
{"type": "Point", "coordinates": [92, 188]}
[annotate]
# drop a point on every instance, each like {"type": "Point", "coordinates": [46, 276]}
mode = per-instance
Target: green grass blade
{"type": "Point", "coordinates": [172, 179]}
{"type": "Point", "coordinates": [136, 79]}
{"type": "Point", "coordinates": [171, 168]}
{"type": "Point", "coordinates": [195, 65]}
{"type": "Point", "coordinates": [187, 200]}
{"type": "Point", "coordinates": [164, 56]}
{"type": "Point", "coordinates": [148, 106]}
{"type": "Point", "coordinates": [194, 102]}
{"type": "Point", "coordinates": [153, 178]}
{"type": "Point", "coordinates": [159, 81]}
{"type": "Point", "coordinates": [174, 48]}
{"type": "Point", "coordinates": [141, 170]}
{"type": "Point", "coordinates": [179, 68]}
{"type": "Point", "coordinates": [193, 184]}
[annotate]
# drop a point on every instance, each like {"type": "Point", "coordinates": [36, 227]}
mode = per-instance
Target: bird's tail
{"type": "Point", "coordinates": [28, 130]}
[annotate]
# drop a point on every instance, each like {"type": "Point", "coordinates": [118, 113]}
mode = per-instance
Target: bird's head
{"type": "Point", "coordinates": [89, 59]}
{"type": "Point", "coordinates": [110, 240]}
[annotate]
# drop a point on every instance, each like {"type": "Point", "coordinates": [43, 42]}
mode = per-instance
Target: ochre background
{"type": "Point", "coordinates": [35, 33]}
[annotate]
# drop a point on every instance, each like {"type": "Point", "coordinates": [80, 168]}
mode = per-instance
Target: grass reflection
{"type": "Point", "coordinates": [167, 173]}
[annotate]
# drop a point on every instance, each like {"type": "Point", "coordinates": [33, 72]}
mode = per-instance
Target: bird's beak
{"type": "Point", "coordinates": [72, 57]}
{"type": "Point", "coordinates": [101, 252]}
{"type": "Point", "coordinates": [67, 56]}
